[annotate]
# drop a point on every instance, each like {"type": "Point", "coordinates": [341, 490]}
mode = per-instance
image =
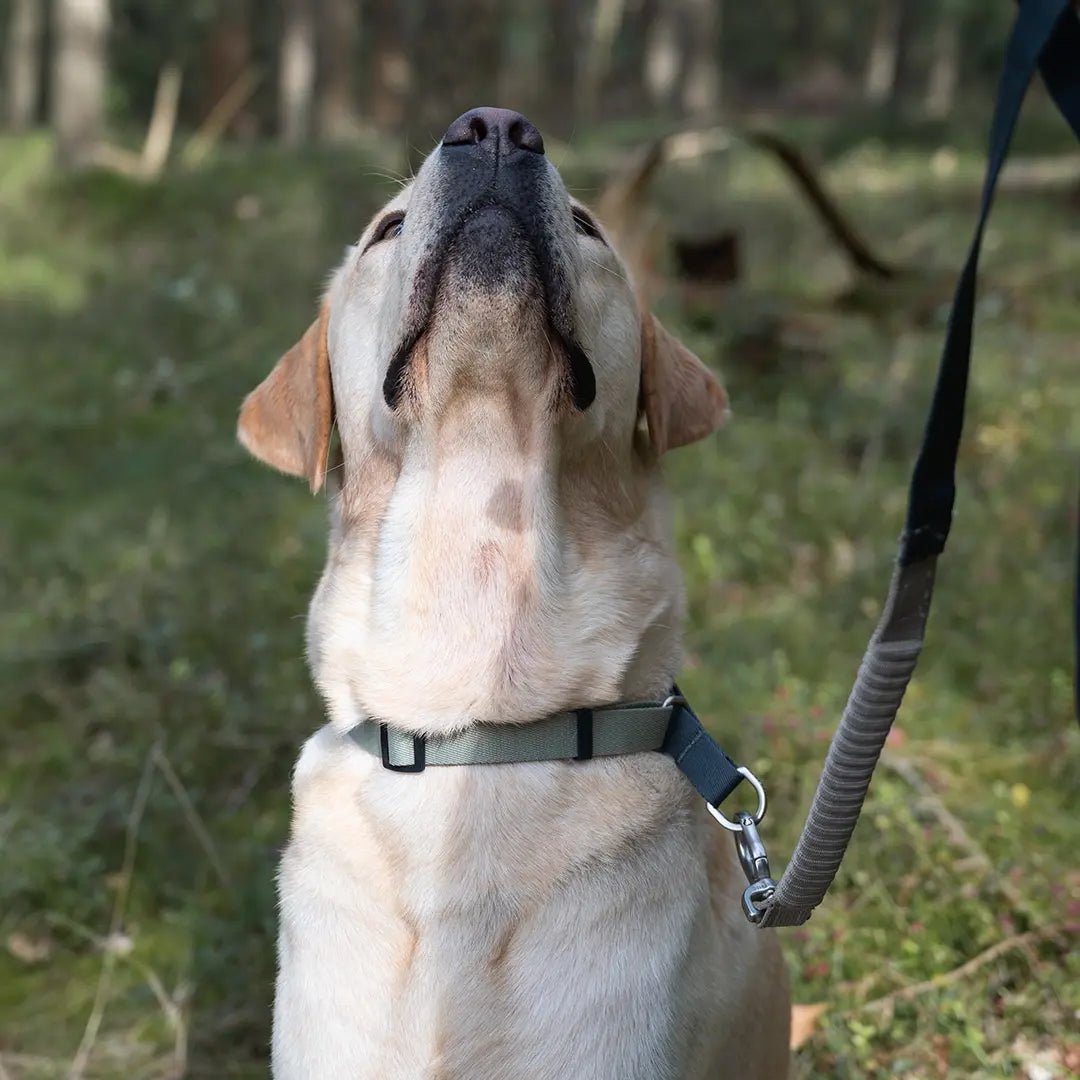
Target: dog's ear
{"type": "Point", "coordinates": [286, 420]}
{"type": "Point", "coordinates": [682, 398]}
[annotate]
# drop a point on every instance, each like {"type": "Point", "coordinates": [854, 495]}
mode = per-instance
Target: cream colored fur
{"type": "Point", "coordinates": [497, 555]}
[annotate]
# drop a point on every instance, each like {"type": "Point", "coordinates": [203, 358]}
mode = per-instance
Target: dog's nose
{"type": "Point", "coordinates": [490, 128]}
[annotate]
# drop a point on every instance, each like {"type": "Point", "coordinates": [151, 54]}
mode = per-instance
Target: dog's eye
{"type": "Point", "coordinates": [388, 228]}
{"type": "Point", "coordinates": [584, 224]}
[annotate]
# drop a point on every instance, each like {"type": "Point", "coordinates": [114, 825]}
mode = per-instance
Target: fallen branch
{"type": "Point", "coordinates": [148, 164]}
{"type": "Point", "coordinates": [621, 205]}
{"type": "Point", "coordinates": [159, 134]}
{"type": "Point", "coordinates": [828, 209]}
{"type": "Point", "coordinates": [171, 1005]}
{"type": "Point", "coordinates": [116, 922]}
{"type": "Point", "coordinates": [220, 117]}
{"type": "Point", "coordinates": [202, 834]}
{"type": "Point", "coordinates": [969, 967]}
{"type": "Point", "coordinates": [36, 1063]}
{"type": "Point", "coordinates": [955, 831]}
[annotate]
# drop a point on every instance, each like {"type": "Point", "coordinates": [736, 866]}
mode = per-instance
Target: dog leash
{"type": "Point", "coordinates": [1046, 35]}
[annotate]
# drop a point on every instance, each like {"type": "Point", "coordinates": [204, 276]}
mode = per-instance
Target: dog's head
{"type": "Point", "coordinates": [500, 547]}
{"type": "Point", "coordinates": [481, 279]}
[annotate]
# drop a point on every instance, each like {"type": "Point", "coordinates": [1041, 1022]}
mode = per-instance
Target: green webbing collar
{"type": "Point", "coordinates": [669, 727]}
{"type": "Point", "coordinates": [584, 733]}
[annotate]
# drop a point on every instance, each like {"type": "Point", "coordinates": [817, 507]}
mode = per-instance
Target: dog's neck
{"type": "Point", "coordinates": [494, 579]}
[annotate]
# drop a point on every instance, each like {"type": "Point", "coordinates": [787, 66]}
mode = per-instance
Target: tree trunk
{"type": "Point", "coordinates": [805, 32]}
{"type": "Point", "coordinates": [522, 82]}
{"type": "Point", "coordinates": [883, 58]}
{"type": "Point", "coordinates": [562, 66]}
{"type": "Point", "coordinates": [339, 26]}
{"type": "Point", "coordinates": [432, 100]}
{"type": "Point", "coordinates": [227, 65]}
{"type": "Point", "coordinates": [626, 83]}
{"type": "Point", "coordinates": [606, 23]}
{"type": "Point", "coordinates": [701, 88]}
{"type": "Point", "coordinates": [663, 62]}
{"type": "Point", "coordinates": [296, 76]}
{"type": "Point", "coordinates": [905, 33]}
{"type": "Point", "coordinates": [944, 67]}
{"type": "Point", "coordinates": [457, 54]}
{"type": "Point", "coordinates": [389, 67]}
{"type": "Point", "coordinates": [23, 81]}
{"type": "Point", "coordinates": [79, 71]}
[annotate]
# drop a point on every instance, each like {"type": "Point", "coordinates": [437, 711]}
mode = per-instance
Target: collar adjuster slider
{"type": "Point", "coordinates": [418, 763]}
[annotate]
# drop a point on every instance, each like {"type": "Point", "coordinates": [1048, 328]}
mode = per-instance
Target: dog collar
{"type": "Point", "coordinates": [667, 727]}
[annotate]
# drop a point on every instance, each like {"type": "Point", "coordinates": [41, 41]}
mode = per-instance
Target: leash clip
{"type": "Point", "coordinates": [755, 863]}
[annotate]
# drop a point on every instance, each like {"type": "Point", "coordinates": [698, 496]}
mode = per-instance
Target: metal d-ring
{"type": "Point", "coordinates": [762, 803]}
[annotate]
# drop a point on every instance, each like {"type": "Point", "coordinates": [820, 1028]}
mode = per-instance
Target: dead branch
{"type": "Point", "coordinates": [969, 967]}
{"type": "Point", "coordinates": [827, 208]}
{"type": "Point", "coordinates": [198, 827]}
{"type": "Point", "coordinates": [220, 117]}
{"type": "Point", "coordinates": [148, 164]}
{"type": "Point", "coordinates": [159, 134]}
{"type": "Point", "coordinates": [622, 204]}
{"type": "Point", "coordinates": [116, 922]}
{"type": "Point", "coordinates": [171, 1006]}
{"type": "Point", "coordinates": [623, 209]}
{"type": "Point", "coordinates": [954, 829]}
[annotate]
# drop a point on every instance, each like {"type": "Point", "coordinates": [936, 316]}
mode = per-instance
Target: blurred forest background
{"type": "Point", "coordinates": [798, 183]}
{"type": "Point", "coordinates": [327, 70]}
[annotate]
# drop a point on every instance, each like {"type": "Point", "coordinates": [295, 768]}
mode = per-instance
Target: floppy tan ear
{"type": "Point", "coordinates": [286, 420]}
{"type": "Point", "coordinates": [683, 399]}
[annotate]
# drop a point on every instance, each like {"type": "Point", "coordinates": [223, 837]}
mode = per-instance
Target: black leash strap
{"type": "Point", "coordinates": [1046, 30]}
{"type": "Point", "coordinates": [1046, 35]}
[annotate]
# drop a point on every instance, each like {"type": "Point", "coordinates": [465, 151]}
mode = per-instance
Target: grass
{"type": "Point", "coordinates": [154, 580]}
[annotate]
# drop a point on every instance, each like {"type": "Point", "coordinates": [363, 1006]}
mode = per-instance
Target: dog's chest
{"type": "Point", "coordinates": [478, 919]}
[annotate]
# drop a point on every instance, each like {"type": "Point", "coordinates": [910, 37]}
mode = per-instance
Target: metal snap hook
{"type": "Point", "coordinates": [755, 863]}
{"type": "Point", "coordinates": [751, 849]}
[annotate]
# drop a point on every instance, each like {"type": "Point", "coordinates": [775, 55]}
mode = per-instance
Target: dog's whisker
{"type": "Point", "coordinates": [394, 178]}
{"type": "Point", "coordinates": [607, 269]}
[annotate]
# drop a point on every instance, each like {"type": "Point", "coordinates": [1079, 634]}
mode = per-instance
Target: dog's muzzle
{"type": "Point", "coordinates": [499, 201]}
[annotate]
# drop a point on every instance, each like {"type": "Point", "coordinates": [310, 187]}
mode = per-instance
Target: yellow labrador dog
{"type": "Point", "coordinates": [500, 550]}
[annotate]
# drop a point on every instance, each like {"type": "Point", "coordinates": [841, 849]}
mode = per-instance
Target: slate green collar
{"type": "Point", "coordinates": [567, 736]}
{"type": "Point", "coordinates": [669, 726]}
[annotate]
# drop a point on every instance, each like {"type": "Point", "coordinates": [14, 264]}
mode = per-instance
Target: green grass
{"type": "Point", "coordinates": [154, 579]}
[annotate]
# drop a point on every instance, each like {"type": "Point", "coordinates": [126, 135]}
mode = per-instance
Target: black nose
{"type": "Point", "coordinates": [504, 128]}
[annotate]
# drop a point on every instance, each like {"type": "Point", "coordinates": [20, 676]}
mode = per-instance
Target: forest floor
{"type": "Point", "coordinates": [154, 581]}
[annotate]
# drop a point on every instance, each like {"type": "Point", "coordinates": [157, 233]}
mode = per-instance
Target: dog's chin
{"type": "Point", "coordinates": [485, 337]}
{"type": "Point", "coordinates": [490, 318]}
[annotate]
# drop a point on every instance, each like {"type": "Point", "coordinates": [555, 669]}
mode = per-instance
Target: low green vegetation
{"type": "Point", "coordinates": [155, 693]}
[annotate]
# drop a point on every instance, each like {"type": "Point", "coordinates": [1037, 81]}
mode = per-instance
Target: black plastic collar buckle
{"type": "Point", "coordinates": [418, 762]}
